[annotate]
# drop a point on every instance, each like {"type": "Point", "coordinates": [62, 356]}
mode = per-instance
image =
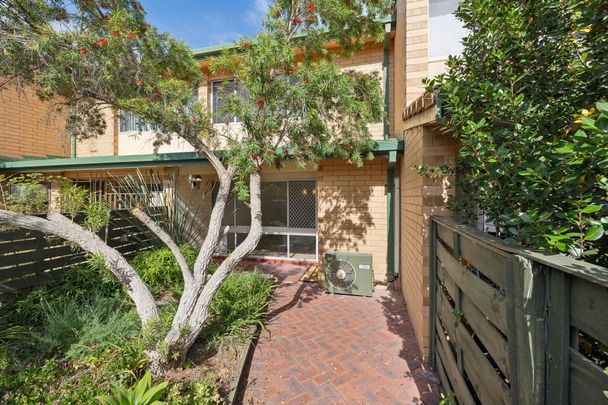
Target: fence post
{"type": "Point", "coordinates": [529, 309]}
{"type": "Point", "coordinates": [558, 338]}
{"type": "Point", "coordinates": [432, 290]}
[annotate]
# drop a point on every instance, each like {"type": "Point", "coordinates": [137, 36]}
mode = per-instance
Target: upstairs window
{"type": "Point", "coordinates": [129, 122]}
{"type": "Point", "coordinates": [221, 90]}
{"type": "Point", "coordinates": [445, 30]}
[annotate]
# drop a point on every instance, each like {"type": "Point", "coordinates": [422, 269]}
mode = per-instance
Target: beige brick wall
{"type": "Point", "coordinates": [368, 61]}
{"type": "Point", "coordinates": [28, 127]}
{"type": "Point", "coordinates": [104, 145]}
{"type": "Point", "coordinates": [352, 210]}
{"type": "Point", "coordinates": [420, 198]}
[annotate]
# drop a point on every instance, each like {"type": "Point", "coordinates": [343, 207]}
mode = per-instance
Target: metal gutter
{"type": "Point", "coordinates": [386, 84]}
{"type": "Point", "coordinates": [390, 219]}
{"type": "Point", "coordinates": [73, 146]}
{"type": "Point", "coordinates": [105, 162]}
{"type": "Point", "coordinates": [381, 148]}
{"type": "Point", "coordinates": [214, 50]}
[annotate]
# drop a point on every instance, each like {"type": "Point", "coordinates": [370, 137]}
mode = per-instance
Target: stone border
{"type": "Point", "coordinates": [237, 377]}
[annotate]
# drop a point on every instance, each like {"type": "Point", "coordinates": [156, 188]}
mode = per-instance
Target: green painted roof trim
{"type": "Point", "coordinates": [209, 51]}
{"type": "Point", "coordinates": [105, 162]}
{"type": "Point", "coordinates": [381, 148]}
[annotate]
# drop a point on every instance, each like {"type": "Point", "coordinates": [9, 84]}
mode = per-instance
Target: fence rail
{"type": "Point", "coordinates": [510, 326]}
{"type": "Point", "coordinates": [29, 258]}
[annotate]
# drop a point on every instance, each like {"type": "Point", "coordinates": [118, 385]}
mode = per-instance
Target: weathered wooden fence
{"type": "Point", "coordinates": [29, 258]}
{"type": "Point", "coordinates": [510, 326]}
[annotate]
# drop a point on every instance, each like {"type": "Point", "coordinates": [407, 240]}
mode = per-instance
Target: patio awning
{"type": "Point", "coordinates": [178, 159]}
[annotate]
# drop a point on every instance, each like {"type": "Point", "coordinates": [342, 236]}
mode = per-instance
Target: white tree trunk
{"type": "Point", "coordinates": [188, 324]}
{"type": "Point", "coordinates": [60, 226]}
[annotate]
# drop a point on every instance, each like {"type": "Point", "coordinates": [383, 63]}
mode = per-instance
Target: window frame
{"type": "Point", "coordinates": [218, 120]}
{"type": "Point", "coordinates": [234, 230]}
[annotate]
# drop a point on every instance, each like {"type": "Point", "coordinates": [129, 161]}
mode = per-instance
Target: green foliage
{"type": "Point", "coordinates": [142, 393]}
{"type": "Point", "coordinates": [74, 327]}
{"type": "Point", "coordinates": [309, 107]}
{"type": "Point", "coordinates": [526, 73]}
{"type": "Point", "coordinates": [88, 55]}
{"type": "Point", "coordinates": [198, 392]}
{"type": "Point", "coordinates": [26, 193]}
{"type": "Point", "coordinates": [73, 198]}
{"type": "Point", "coordinates": [97, 215]}
{"type": "Point", "coordinates": [160, 271]}
{"type": "Point", "coordinates": [82, 335]}
{"type": "Point", "coordinates": [239, 303]}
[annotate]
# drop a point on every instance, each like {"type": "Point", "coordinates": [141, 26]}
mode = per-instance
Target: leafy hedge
{"type": "Point", "coordinates": [525, 101]}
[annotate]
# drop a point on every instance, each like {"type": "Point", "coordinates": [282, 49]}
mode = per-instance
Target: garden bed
{"type": "Point", "coordinates": [74, 340]}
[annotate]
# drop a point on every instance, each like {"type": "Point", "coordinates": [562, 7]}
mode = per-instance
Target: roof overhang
{"type": "Point", "coordinates": [381, 148]}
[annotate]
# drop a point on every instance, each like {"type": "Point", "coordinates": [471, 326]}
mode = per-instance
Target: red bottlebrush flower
{"type": "Point", "coordinates": [102, 42]}
{"type": "Point", "coordinates": [310, 19]}
{"type": "Point", "coordinates": [311, 8]}
{"type": "Point", "coordinates": [83, 51]}
{"type": "Point", "coordinates": [347, 3]}
{"type": "Point", "coordinates": [261, 103]}
{"type": "Point", "coordinates": [139, 83]}
{"type": "Point", "coordinates": [347, 146]}
{"type": "Point", "coordinates": [115, 34]}
{"type": "Point", "coordinates": [297, 21]}
{"type": "Point", "coordinates": [132, 35]}
{"type": "Point", "coordinates": [158, 94]}
{"type": "Point", "coordinates": [245, 45]}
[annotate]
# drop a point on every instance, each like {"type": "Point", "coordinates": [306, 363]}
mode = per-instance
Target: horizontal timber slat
{"type": "Point", "coordinates": [489, 301]}
{"type": "Point", "coordinates": [490, 388]}
{"type": "Point", "coordinates": [530, 329]}
{"type": "Point", "coordinates": [588, 306]}
{"type": "Point", "coordinates": [29, 258]}
{"type": "Point", "coordinates": [456, 379]}
{"type": "Point", "coordinates": [587, 381]}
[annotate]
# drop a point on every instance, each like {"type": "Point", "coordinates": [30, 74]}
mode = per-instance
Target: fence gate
{"type": "Point", "coordinates": [509, 326]}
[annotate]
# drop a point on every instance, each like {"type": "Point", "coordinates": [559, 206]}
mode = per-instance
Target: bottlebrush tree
{"type": "Point", "coordinates": [85, 56]}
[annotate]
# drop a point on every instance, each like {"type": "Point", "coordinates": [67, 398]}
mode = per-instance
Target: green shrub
{"type": "Point", "coordinates": [75, 326]}
{"type": "Point", "coordinates": [160, 271]}
{"type": "Point", "coordinates": [200, 392]}
{"type": "Point", "coordinates": [528, 70]}
{"type": "Point", "coordinates": [239, 303]}
{"type": "Point", "coordinates": [142, 393]}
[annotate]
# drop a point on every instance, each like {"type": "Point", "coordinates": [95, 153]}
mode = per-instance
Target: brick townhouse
{"type": "Point", "coordinates": [381, 208]}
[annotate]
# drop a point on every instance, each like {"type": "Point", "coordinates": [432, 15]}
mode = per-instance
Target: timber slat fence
{"type": "Point", "coordinates": [510, 326]}
{"type": "Point", "coordinates": [29, 258]}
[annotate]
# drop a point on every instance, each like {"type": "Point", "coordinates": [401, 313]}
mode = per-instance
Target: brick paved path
{"type": "Point", "coordinates": [324, 349]}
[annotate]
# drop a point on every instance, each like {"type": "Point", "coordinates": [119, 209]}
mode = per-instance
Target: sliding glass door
{"type": "Point", "coordinates": [289, 220]}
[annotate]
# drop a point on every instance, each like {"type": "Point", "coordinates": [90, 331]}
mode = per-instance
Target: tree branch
{"type": "Point", "coordinates": [59, 225]}
{"type": "Point", "coordinates": [167, 240]}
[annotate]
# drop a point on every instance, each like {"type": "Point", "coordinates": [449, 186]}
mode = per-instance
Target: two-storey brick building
{"type": "Point", "coordinates": [381, 208]}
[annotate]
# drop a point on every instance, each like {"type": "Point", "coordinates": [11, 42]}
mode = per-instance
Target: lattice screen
{"type": "Point", "coordinates": [302, 204]}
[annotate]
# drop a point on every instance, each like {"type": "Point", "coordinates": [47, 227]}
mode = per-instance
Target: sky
{"type": "Point", "coordinates": [201, 23]}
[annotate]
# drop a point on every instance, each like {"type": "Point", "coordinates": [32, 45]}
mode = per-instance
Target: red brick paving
{"type": "Point", "coordinates": [324, 349]}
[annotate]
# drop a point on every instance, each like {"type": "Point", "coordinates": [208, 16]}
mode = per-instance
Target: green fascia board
{"type": "Point", "coordinates": [214, 50]}
{"type": "Point", "coordinates": [106, 162]}
{"type": "Point", "coordinates": [388, 147]}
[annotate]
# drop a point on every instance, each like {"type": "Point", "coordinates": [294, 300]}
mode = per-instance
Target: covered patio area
{"type": "Point", "coordinates": [324, 349]}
